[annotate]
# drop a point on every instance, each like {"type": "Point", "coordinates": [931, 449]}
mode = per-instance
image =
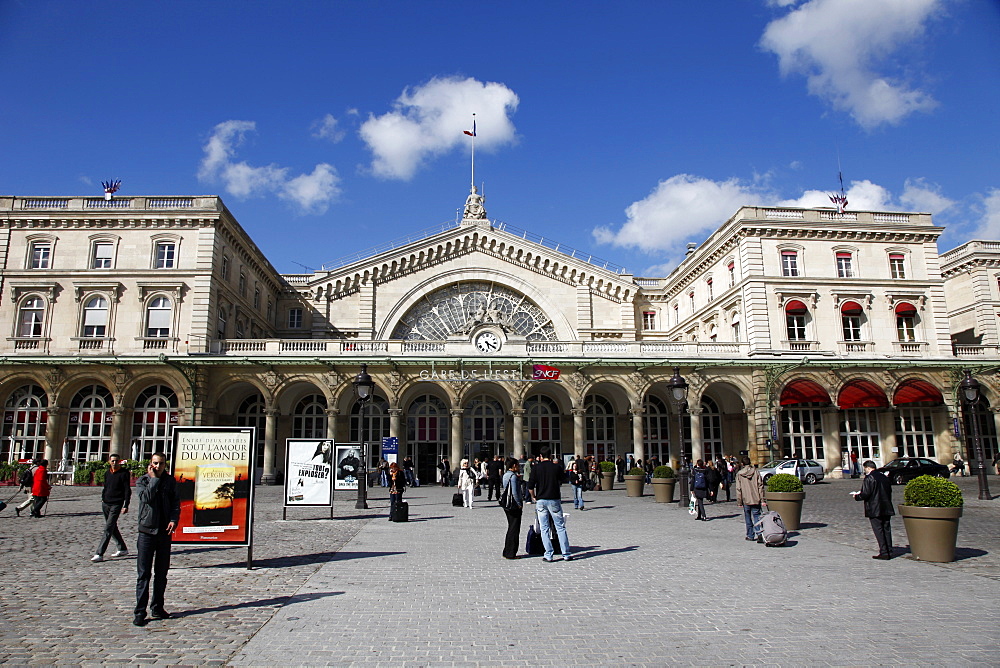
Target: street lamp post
{"type": "Point", "coordinates": [364, 386]}
{"type": "Point", "coordinates": [970, 390]}
{"type": "Point", "coordinates": [678, 393]}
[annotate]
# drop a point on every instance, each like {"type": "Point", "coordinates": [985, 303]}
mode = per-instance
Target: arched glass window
{"type": "Point", "coordinates": [155, 412]}
{"type": "Point", "coordinates": [251, 414]}
{"type": "Point", "coordinates": [599, 432]}
{"type": "Point", "coordinates": [483, 426]}
{"type": "Point", "coordinates": [795, 320]}
{"type": "Point", "coordinates": [24, 423]}
{"type": "Point", "coordinates": [427, 423]}
{"type": "Point", "coordinates": [32, 317]}
{"type": "Point", "coordinates": [711, 429]}
{"type": "Point", "coordinates": [95, 318]}
{"type": "Point", "coordinates": [377, 417]}
{"type": "Point", "coordinates": [656, 428]}
{"type": "Point", "coordinates": [158, 317]}
{"type": "Point", "coordinates": [309, 417]}
{"type": "Point", "coordinates": [90, 418]}
{"type": "Point", "coordinates": [542, 423]}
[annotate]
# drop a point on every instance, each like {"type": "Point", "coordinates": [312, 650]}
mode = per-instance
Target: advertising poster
{"type": "Point", "coordinates": [348, 459]}
{"type": "Point", "coordinates": [309, 463]}
{"type": "Point", "coordinates": [212, 467]}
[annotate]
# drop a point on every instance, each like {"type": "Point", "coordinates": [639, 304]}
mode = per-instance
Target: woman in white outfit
{"type": "Point", "coordinates": [466, 483]}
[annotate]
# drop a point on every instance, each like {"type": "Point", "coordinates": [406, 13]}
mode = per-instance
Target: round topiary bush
{"type": "Point", "coordinates": [784, 482]}
{"type": "Point", "coordinates": [931, 492]}
{"type": "Point", "coordinates": [635, 470]}
{"type": "Point", "coordinates": [608, 467]}
{"type": "Point", "coordinates": [663, 472]}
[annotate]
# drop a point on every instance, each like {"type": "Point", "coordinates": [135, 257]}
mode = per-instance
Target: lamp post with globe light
{"type": "Point", "coordinates": [971, 392]}
{"type": "Point", "coordinates": [364, 387]}
{"type": "Point", "coordinates": [678, 394]}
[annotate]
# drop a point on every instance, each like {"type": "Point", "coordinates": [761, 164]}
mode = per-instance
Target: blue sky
{"type": "Point", "coordinates": [621, 129]}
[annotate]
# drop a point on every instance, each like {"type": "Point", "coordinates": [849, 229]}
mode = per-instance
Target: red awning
{"type": "Point", "coordinates": [795, 307]}
{"type": "Point", "coordinates": [917, 391]}
{"type": "Point", "coordinates": [851, 308]}
{"type": "Point", "coordinates": [803, 392]}
{"type": "Point", "coordinates": [862, 394]}
{"type": "Point", "coordinates": [905, 308]}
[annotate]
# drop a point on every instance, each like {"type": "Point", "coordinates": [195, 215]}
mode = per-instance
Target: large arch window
{"type": "Point", "coordinates": [711, 429]}
{"type": "Point", "coordinates": [31, 318]}
{"type": "Point", "coordinates": [251, 414]}
{"type": "Point", "coordinates": [542, 422]}
{"type": "Point", "coordinates": [656, 428]}
{"type": "Point", "coordinates": [309, 417]}
{"type": "Point", "coordinates": [459, 307]}
{"type": "Point", "coordinates": [483, 426]}
{"type": "Point", "coordinates": [90, 419]}
{"type": "Point", "coordinates": [802, 402]}
{"type": "Point", "coordinates": [427, 422]}
{"type": "Point", "coordinates": [915, 400]}
{"type": "Point", "coordinates": [24, 422]}
{"type": "Point", "coordinates": [155, 412]}
{"type": "Point", "coordinates": [599, 432]}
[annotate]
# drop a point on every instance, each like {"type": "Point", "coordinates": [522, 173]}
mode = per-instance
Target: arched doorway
{"type": "Point", "coordinates": [24, 422]}
{"type": "Point", "coordinates": [542, 422]}
{"type": "Point", "coordinates": [483, 427]}
{"type": "Point", "coordinates": [376, 419]}
{"type": "Point", "coordinates": [89, 431]}
{"type": "Point", "coordinates": [859, 402]}
{"type": "Point", "coordinates": [155, 412]}
{"type": "Point", "coordinates": [916, 401]}
{"type": "Point", "coordinates": [802, 404]}
{"type": "Point", "coordinates": [656, 428]}
{"type": "Point", "coordinates": [427, 435]}
{"type": "Point", "coordinates": [599, 434]}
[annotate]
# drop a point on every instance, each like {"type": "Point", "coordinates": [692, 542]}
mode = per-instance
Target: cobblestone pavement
{"type": "Point", "coordinates": [648, 586]}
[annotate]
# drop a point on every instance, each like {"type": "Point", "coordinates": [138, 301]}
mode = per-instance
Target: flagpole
{"type": "Point", "coordinates": [473, 153]}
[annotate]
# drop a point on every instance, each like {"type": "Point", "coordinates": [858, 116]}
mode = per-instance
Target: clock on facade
{"type": "Point", "coordinates": [488, 342]}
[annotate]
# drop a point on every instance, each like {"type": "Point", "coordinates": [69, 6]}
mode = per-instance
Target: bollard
{"type": "Point", "coordinates": [683, 494]}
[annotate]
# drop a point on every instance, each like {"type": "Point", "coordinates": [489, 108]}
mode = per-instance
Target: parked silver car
{"type": "Point", "coordinates": [808, 471]}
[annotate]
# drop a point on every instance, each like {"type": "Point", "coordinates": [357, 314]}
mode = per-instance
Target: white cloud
{"type": "Point", "coordinates": [327, 128]}
{"type": "Point", "coordinates": [840, 45]}
{"type": "Point", "coordinates": [679, 208]}
{"type": "Point", "coordinates": [922, 197]}
{"type": "Point", "coordinates": [312, 193]}
{"type": "Point", "coordinates": [861, 196]}
{"type": "Point", "coordinates": [989, 224]}
{"type": "Point", "coordinates": [428, 120]}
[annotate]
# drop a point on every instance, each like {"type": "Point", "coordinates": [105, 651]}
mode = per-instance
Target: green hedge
{"type": "Point", "coordinates": [784, 482]}
{"type": "Point", "coordinates": [635, 470]}
{"type": "Point", "coordinates": [932, 492]}
{"type": "Point", "coordinates": [663, 472]}
{"type": "Point", "coordinates": [608, 467]}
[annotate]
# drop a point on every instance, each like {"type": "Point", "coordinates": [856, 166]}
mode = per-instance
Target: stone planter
{"type": "Point", "coordinates": [788, 505]}
{"type": "Point", "coordinates": [932, 532]}
{"type": "Point", "coordinates": [663, 489]}
{"type": "Point", "coordinates": [607, 481]}
{"type": "Point", "coordinates": [634, 484]}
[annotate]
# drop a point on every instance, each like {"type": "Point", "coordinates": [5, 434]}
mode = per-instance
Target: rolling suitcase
{"type": "Point", "coordinates": [402, 513]}
{"type": "Point", "coordinates": [772, 529]}
{"type": "Point", "coordinates": [456, 500]}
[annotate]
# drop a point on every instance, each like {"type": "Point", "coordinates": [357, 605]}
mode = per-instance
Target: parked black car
{"type": "Point", "coordinates": [901, 470]}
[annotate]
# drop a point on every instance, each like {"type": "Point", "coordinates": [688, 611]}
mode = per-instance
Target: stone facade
{"type": "Point", "coordinates": [802, 332]}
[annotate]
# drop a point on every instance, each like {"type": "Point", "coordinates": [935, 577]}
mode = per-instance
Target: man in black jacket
{"type": "Point", "coordinates": [159, 512]}
{"type": "Point", "coordinates": [494, 476]}
{"type": "Point", "coordinates": [546, 477]}
{"type": "Point", "coordinates": [876, 492]}
{"type": "Point", "coordinates": [114, 502]}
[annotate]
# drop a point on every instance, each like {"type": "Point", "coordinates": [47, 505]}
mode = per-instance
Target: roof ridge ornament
{"type": "Point", "coordinates": [474, 206]}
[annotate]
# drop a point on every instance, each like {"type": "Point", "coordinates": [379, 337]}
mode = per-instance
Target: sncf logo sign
{"type": "Point", "coordinates": [543, 372]}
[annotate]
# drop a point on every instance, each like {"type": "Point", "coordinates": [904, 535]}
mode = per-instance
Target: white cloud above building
{"type": "Point", "coordinates": [850, 52]}
{"type": "Point", "coordinates": [429, 120]}
{"type": "Point", "coordinates": [310, 193]}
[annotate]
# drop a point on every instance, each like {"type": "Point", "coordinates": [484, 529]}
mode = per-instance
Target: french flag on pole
{"type": "Point", "coordinates": [473, 133]}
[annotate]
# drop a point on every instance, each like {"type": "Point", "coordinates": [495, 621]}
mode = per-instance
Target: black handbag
{"type": "Point", "coordinates": [478, 491]}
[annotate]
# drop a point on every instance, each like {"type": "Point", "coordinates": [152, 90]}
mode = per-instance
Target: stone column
{"type": "Point", "coordinates": [517, 421]}
{"type": "Point", "coordinates": [697, 447]}
{"type": "Point", "coordinates": [270, 444]}
{"type": "Point", "coordinates": [53, 439]}
{"type": "Point", "coordinates": [638, 443]}
{"type": "Point", "coordinates": [456, 436]}
{"type": "Point", "coordinates": [579, 431]}
{"type": "Point", "coordinates": [887, 434]}
{"type": "Point", "coordinates": [395, 429]}
{"type": "Point", "coordinates": [119, 442]}
{"type": "Point", "coordinates": [831, 441]}
{"type": "Point", "coordinates": [331, 423]}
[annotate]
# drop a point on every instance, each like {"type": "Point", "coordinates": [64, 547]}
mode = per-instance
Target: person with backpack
{"type": "Point", "coordinates": [699, 487]}
{"type": "Point", "coordinates": [750, 497]}
{"type": "Point", "coordinates": [27, 481]}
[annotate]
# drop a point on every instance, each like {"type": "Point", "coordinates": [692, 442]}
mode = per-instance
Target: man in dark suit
{"type": "Point", "coordinates": [876, 492]}
{"type": "Point", "coordinates": [494, 476]}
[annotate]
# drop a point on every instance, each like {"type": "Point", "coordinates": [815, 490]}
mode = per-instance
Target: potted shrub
{"type": "Point", "coordinates": [930, 511]}
{"type": "Point", "coordinates": [784, 494]}
{"type": "Point", "coordinates": [607, 475]}
{"type": "Point", "coordinates": [663, 484]}
{"type": "Point", "coordinates": [635, 480]}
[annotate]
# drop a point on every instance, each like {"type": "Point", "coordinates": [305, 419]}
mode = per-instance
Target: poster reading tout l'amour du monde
{"type": "Point", "coordinates": [212, 466]}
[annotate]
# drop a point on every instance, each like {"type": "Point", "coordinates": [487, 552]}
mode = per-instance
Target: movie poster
{"type": "Point", "coordinates": [212, 466]}
{"type": "Point", "coordinates": [309, 467]}
{"type": "Point", "coordinates": [348, 461]}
